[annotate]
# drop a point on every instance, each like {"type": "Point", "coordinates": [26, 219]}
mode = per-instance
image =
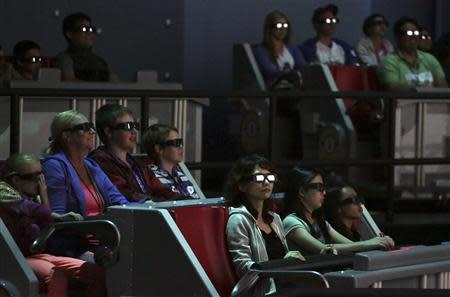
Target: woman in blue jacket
{"type": "Point", "coordinates": [75, 183]}
{"type": "Point", "coordinates": [276, 56]}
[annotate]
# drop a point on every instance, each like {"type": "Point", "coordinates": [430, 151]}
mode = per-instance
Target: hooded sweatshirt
{"type": "Point", "coordinates": [246, 244]}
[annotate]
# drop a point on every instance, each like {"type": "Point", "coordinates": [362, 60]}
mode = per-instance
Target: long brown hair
{"type": "Point", "coordinates": [269, 22]}
{"type": "Point", "coordinates": [296, 180]}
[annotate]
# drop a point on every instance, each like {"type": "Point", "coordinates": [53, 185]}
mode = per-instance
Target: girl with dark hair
{"type": "Point", "coordinates": [306, 228]}
{"type": "Point", "coordinates": [276, 56]}
{"type": "Point", "coordinates": [254, 232]}
{"type": "Point", "coordinates": [374, 46]}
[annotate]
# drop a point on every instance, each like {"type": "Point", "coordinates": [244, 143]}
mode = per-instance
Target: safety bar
{"type": "Point", "coordinates": [359, 292]}
{"type": "Point", "coordinates": [104, 230]}
{"type": "Point", "coordinates": [250, 279]}
{"type": "Point", "coordinates": [7, 289]}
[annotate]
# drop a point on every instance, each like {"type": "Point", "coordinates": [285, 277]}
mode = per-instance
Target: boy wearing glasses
{"type": "Point", "coordinates": [78, 62]}
{"type": "Point", "coordinates": [164, 146]}
{"type": "Point", "coordinates": [324, 48]}
{"type": "Point", "coordinates": [117, 129]}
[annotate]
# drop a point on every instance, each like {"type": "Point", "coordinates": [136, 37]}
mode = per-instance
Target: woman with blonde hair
{"type": "Point", "coordinates": [74, 182]}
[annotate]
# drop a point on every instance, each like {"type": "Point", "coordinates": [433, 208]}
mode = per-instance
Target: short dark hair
{"type": "Point", "coordinates": [320, 10]}
{"type": "Point", "coordinates": [400, 22]}
{"type": "Point", "coordinates": [370, 21]}
{"type": "Point", "coordinates": [22, 47]}
{"type": "Point", "coordinates": [71, 21]}
{"type": "Point", "coordinates": [155, 134]}
{"type": "Point", "coordinates": [106, 116]}
{"type": "Point", "coordinates": [241, 173]}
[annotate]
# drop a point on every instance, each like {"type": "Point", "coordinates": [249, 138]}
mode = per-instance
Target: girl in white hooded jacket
{"type": "Point", "coordinates": [254, 233]}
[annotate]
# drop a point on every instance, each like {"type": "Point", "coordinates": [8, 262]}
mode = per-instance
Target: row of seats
{"type": "Point", "coordinates": [202, 225]}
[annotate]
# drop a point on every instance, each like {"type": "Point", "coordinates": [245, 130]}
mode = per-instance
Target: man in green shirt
{"type": "Point", "coordinates": [407, 67]}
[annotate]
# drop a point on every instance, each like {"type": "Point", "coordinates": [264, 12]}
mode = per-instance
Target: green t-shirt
{"type": "Point", "coordinates": [394, 69]}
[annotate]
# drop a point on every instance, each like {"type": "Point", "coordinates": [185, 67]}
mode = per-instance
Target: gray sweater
{"type": "Point", "coordinates": [246, 244]}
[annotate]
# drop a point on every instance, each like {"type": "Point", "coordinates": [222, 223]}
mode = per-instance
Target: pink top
{"type": "Point", "coordinates": [94, 201]}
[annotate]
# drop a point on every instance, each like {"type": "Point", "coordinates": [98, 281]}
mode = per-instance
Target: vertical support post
{"type": "Point", "coordinates": [73, 103]}
{"type": "Point", "coordinates": [180, 116]}
{"type": "Point", "coordinates": [16, 117]}
{"type": "Point", "coordinates": [95, 102]}
{"type": "Point", "coordinates": [272, 122]}
{"type": "Point", "coordinates": [440, 280]}
{"type": "Point", "coordinates": [145, 116]}
{"type": "Point", "coordinates": [423, 281]}
{"type": "Point", "coordinates": [392, 105]}
{"type": "Point", "coordinates": [420, 142]}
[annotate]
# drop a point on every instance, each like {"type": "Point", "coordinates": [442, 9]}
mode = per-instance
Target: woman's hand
{"type": "Point", "coordinates": [383, 242]}
{"type": "Point", "coordinates": [67, 217]}
{"type": "Point", "coordinates": [329, 249]}
{"type": "Point", "coordinates": [42, 184]}
{"type": "Point", "coordinates": [42, 190]}
{"type": "Point", "coordinates": [294, 254]}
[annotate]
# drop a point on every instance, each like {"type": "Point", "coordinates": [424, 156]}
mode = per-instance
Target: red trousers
{"type": "Point", "coordinates": [55, 272]}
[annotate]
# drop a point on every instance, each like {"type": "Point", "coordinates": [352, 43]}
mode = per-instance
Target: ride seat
{"type": "Point", "coordinates": [203, 227]}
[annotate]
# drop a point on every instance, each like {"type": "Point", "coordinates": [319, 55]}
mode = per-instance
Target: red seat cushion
{"type": "Point", "coordinates": [203, 227]}
{"type": "Point", "coordinates": [353, 78]}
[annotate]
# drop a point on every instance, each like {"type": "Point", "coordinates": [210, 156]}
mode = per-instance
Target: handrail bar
{"type": "Point", "coordinates": [330, 163]}
{"type": "Point", "coordinates": [58, 92]}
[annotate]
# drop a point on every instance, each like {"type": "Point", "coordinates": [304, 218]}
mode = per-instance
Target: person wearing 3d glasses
{"type": "Point", "coordinates": [164, 147]}
{"type": "Point", "coordinates": [373, 47]}
{"type": "Point", "coordinates": [324, 48]}
{"type": "Point", "coordinates": [276, 56]}
{"type": "Point", "coordinates": [305, 226]}
{"type": "Point", "coordinates": [343, 209]}
{"type": "Point", "coordinates": [74, 182]}
{"type": "Point", "coordinates": [407, 67]}
{"type": "Point", "coordinates": [26, 64]}
{"type": "Point", "coordinates": [117, 129]}
{"type": "Point", "coordinates": [78, 62]}
{"type": "Point", "coordinates": [254, 232]}
{"type": "Point", "coordinates": [22, 180]}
